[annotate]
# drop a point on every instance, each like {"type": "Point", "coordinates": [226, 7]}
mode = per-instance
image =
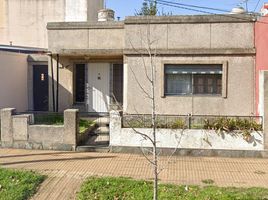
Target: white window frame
{"type": "Point", "coordinates": [210, 62]}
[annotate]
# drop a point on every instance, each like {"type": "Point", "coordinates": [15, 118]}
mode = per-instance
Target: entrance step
{"type": "Point", "coordinates": [102, 121]}
{"type": "Point", "coordinates": [98, 139]}
{"type": "Point", "coordinates": [93, 148]}
{"type": "Point", "coordinates": [102, 130]}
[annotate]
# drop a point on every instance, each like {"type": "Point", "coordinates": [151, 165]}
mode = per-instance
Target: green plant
{"type": "Point", "coordinates": [178, 124]}
{"type": "Point", "coordinates": [57, 119]}
{"type": "Point", "coordinates": [208, 181]}
{"type": "Point", "coordinates": [49, 119]}
{"type": "Point", "coordinates": [242, 126]}
{"type": "Point", "coordinates": [149, 7]}
{"type": "Point", "coordinates": [124, 188]}
{"type": "Point", "coordinates": [84, 125]}
{"type": "Point", "coordinates": [18, 185]}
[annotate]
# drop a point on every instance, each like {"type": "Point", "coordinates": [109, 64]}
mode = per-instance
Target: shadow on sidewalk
{"type": "Point", "coordinates": [41, 154]}
{"type": "Point", "coordinates": [55, 160]}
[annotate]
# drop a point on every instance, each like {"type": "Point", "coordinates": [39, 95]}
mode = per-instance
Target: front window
{"type": "Point", "coordinates": [193, 79]}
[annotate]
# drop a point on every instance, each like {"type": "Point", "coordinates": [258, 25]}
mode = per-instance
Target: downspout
{"type": "Point", "coordinates": [53, 87]}
{"type": "Point", "coordinates": [57, 94]}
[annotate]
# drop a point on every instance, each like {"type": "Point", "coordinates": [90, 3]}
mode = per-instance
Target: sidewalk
{"type": "Point", "coordinates": [67, 170]}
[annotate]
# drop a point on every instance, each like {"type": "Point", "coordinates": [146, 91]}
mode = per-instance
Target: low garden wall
{"type": "Point", "coordinates": [18, 131]}
{"type": "Point", "coordinates": [182, 139]}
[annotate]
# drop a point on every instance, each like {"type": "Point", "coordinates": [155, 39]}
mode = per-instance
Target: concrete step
{"type": "Point", "coordinates": [102, 121]}
{"type": "Point", "coordinates": [97, 139]}
{"type": "Point", "coordinates": [99, 121]}
{"type": "Point", "coordinates": [93, 148]}
{"type": "Point", "coordinates": [103, 130]}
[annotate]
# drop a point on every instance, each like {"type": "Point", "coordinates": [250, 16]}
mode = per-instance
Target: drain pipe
{"type": "Point", "coordinates": [52, 82]}
{"type": "Point", "coordinates": [57, 91]}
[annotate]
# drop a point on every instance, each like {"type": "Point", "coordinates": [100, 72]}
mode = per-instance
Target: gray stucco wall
{"type": "Point", "coordinates": [190, 36]}
{"type": "Point", "coordinates": [240, 88]}
{"type": "Point", "coordinates": [65, 82]}
{"type": "Point", "coordinates": [18, 132]}
{"type": "Point", "coordinates": [85, 36]}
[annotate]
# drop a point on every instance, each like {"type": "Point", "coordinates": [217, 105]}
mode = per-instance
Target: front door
{"type": "Point", "coordinates": [40, 87]}
{"type": "Point", "coordinates": [98, 87]}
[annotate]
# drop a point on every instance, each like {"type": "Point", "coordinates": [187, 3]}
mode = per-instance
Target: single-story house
{"type": "Point", "coordinates": [205, 64]}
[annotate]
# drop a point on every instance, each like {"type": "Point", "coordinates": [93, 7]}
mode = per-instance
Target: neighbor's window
{"type": "Point", "coordinates": [193, 79]}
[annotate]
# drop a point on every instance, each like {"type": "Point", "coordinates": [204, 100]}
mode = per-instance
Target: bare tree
{"type": "Point", "coordinates": [148, 56]}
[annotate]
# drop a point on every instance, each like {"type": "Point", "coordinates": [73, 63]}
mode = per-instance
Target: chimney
{"type": "Point", "coordinates": [238, 10]}
{"type": "Point", "coordinates": [105, 15]}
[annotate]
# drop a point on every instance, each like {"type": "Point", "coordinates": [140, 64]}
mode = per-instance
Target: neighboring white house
{"type": "Point", "coordinates": [23, 32]}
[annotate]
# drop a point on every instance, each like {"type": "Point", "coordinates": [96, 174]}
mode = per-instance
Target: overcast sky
{"type": "Point", "coordinates": [124, 8]}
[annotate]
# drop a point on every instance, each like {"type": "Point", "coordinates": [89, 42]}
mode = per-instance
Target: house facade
{"type": "Point", "coordinates": [205, 65]}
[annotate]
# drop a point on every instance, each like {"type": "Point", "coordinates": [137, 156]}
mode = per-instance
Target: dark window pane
{"type": "Point", "coordinates": [212, 84]}
{"type": "Point", "coordinates": [178, 84]}
{"type": "Point", "coordinates": [80, 83]}
{"type": "Point", "coordinates": [118, 83]}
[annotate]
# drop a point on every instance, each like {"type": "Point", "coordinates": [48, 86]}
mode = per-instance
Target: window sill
{"type": "Point", "coordinates": [197, 95]}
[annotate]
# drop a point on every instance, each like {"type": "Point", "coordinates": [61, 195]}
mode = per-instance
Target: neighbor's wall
{"type": "Point", "coordinates": [265, 100]}
{"type": "Point", "coordinates": [180, 42]}
{"type": "Point", "coordinates": [23, 22]}
{"type": "Point", "coordinates": [261, 39]}
{"type": "Point", "coordinates": [13, 81]}
{"type": "Point", "coordinates": [26, 21]}
{"type": "Point", "coordinates": [3, 19]}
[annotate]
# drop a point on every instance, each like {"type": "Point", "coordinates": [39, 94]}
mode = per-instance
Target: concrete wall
{"type": "Point", "coordinates": [81, 37]}
{"type": "Point", "coordinates": [182, 139]}
{"type": "Point", "coordinates": [190, 36]}
{"type": "Point", "coordinates": [13, 80]}
{"type": "Point", "coordinates": [239, 87]}
{"type": "Point", "coordinates": [24, 21]}
{"type": "Point", "coordinates": [17, 132]}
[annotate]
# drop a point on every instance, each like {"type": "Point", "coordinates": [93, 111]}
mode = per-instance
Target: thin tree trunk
{"type": "Point", "coordinates": [154, 131]}
{"type": "Point", "coordinates": [155, 175]}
